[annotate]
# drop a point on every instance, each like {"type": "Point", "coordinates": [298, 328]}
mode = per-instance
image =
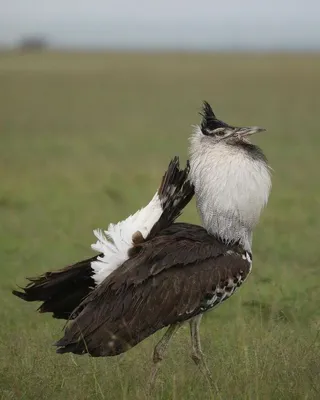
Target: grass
{"type": "Point", "coordinates": [84, 140]}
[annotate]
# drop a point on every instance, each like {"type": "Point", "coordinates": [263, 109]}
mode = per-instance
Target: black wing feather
{"type": "Point", "coordinates": [62, 290]}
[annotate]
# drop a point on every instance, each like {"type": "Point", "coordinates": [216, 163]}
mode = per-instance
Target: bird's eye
{"type": "Point", "coordinates": [219, 132]}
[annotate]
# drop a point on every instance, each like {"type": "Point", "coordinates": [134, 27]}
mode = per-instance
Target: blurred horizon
{"type": "Point", "coordinates": [205, 25]}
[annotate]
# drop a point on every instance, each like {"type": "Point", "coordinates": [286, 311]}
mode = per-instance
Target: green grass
{"type": "Point", "coordinates": [84, 140]}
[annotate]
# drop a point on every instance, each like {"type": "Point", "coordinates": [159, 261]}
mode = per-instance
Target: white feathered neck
{"type": "Point", "coordinates": [231, 187]}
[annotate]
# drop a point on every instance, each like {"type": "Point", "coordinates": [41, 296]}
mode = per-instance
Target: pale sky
{"type": "Point", "coordinates": [165, 23]}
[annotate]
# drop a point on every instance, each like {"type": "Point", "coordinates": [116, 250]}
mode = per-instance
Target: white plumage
{"type": "Point", "coordinates": [117, 240]}
{"type": "Point", "coordinates": [231, 190]}
{"type": "Point", "coordinates": [231, 187]}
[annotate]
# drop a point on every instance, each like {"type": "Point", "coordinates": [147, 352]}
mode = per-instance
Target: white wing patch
{"type": "Point", "coordinates": [117, 240]}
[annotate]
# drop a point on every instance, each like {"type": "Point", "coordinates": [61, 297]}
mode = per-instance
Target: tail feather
{"type": "Point", "coordinates": [117, 242]}
{"type": "Point", "coordinates": [175, 193]}
{"type": "Point", "coordinates": [60, 291]}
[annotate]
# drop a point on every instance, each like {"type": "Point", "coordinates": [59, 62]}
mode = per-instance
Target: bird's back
{"type": "Point", "coordinates": [179, 273]}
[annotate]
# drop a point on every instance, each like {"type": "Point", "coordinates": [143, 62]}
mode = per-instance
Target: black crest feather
{"type": "Point", "coordinates": [209, 121]}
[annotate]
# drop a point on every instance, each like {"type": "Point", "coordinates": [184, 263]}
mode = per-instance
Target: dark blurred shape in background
{"type": "Point", "coordinates": [33, 43]}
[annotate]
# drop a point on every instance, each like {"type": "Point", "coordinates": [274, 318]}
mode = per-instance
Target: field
{"type": "Point", "coordinates": [84, 140]}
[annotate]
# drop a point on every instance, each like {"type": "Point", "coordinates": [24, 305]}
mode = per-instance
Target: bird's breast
{"type": "Point", "coordinates": [231, 189]}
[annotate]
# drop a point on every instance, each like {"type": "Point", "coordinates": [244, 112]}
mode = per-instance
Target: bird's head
{"type": "Point", "coordinates": [220, 131]}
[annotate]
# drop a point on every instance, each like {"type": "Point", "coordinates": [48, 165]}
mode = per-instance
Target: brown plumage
{"type": "Point", "coordinates": [168, 279]}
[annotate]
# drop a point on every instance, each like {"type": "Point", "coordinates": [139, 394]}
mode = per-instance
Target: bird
{"type": "Point", "coordinates": [153, 272]}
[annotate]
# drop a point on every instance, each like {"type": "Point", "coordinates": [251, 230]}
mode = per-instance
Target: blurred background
{"type": "Point", "coordinates": [95, 99]}
{"type": "Point", "coordinates": [169, 24]}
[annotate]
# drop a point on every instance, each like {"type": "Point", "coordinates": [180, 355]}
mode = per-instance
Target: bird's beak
{"type": "Point", "coordinates": [248, 131]}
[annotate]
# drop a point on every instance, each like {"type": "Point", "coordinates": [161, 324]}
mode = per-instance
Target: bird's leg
{"type": "Point", "coordinates": [160, 351]}
{"type": "Point", "coordinates": [197, 354]}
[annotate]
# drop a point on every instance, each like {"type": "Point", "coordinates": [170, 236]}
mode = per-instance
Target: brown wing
{"type": "Point", "coordinates": [178, 274]}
